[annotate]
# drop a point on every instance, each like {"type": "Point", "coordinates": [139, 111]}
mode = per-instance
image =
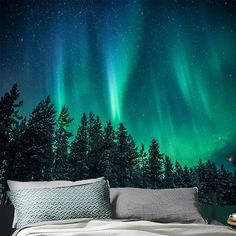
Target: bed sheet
{"type": "Point", "coordinates": [88, 227]}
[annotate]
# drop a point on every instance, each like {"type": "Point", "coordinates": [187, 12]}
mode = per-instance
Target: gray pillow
{"type": "Point", "coordinates": [159, 205]}
{"type": "Point", "coordinates": [60, 203]}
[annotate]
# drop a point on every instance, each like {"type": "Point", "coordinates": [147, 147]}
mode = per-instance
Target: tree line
{"type": "Point", "coordinates": [40, 147]}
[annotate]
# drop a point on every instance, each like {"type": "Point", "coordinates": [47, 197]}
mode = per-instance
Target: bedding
{"type": "Point", "coordinates": [160, 205]}
{"type": "Point", "coordinates": [55, 203]}
{"type": "Point", "coordinates": [121, 228]}
{"type": "Point", "coordinates": [136, 212]}
{"type": "Point", "coordinates": [19, 185]}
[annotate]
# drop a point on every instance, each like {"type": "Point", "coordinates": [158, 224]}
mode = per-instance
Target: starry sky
{"type": "Point", "coordinates": [165, 68]}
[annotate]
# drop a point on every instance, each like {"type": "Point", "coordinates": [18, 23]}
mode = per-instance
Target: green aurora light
{"type": "Point", "coordinates": [166, 69]}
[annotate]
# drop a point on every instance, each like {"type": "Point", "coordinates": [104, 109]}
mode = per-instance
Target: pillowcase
{"type": "Point", "coordinates": [159, 205]}
{"type": "Point", "coordinates": [59, 203]}
{"type": "Point", "coordinates": [17, 185]}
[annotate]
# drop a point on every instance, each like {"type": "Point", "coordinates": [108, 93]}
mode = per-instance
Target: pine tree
{"type": "Point", "coordinates": [143, 168]}
{"type": "Point", "coordinates": [9, 119]}
{"type": "Point", "coordinates": [16, 154]}
{"type": "Point", "coordinates": [132, 164]}
{"type": "Point", "coordinates": [61, 146]}
{"type": "Point", "coordinates": [121, 161]}
{"type": "Point", "coordinates": [187, 181]}
{"type": "Point", "coordinates": [202, 179]}
{"type": "Point", "coordinates": [79, 152]}
{"type": "Point", "coordinates": [168, 181]}
{"type": "Point", "coordinates": [194, 176]}
{"type": "Point", "coordinates": [3, 178]}
{"type": "Point", "coordinates": [95, 144]}
{"type": "Point", "coordinates": [178, 175]}
{"type": "Point", "coordinates": [106, 162]}
{"type": "Point", "coordinates": [212, 177]}
{"type": "Point", "coordinates": [37, 142]}
{"type": "Point", "coordinates": [155, 165]}
{"type": "Point", "coordinates": [225, 185]}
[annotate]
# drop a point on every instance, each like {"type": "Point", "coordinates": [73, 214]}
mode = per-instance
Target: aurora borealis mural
{"type": "Point", "coordinates": [166, 69]}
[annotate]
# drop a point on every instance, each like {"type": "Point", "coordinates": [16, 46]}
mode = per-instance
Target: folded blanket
{"type": "Point", "coordinates": [90, 227]}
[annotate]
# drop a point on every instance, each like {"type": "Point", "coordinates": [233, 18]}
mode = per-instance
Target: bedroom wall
{"type": "Point", "coordinates": [165, 69]}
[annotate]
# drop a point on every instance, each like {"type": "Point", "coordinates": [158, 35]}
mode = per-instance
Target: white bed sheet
{"type": "Point", "coordinates": [88, 227]}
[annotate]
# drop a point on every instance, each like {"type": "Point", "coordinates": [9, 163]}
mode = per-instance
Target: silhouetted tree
{"type": "Point", "coordinates": [202, 178]}
{"type": "Point", "coordinates": [3, 177]}
{"type": "Point", "coordinates": [61, 146]}
{"type": "Point", "coordinates": [186, 176]}
{"type": "Point", "coordinates": [212, 178]}
{"type": "Point", "coordinates": [155, 165]}
{"type": "Point", "coordinates": [106, 162]}
{"type": "Point", "coordinates": [225, 185]}
{"type": "Point", "coordinates": [168, 181]}
{"type": "Point", "coordinates": [143, 168]}
{"type": "Point", "coordinates": [17, 155]}
{"type": "Point", "coordinates": [121, 160]}
{"type": "Point", "coordinates": [37, 142]}
{"type": "Point", "coordinates": [178, 175]}
{"type": "Point", "coordinates": [194, 176]}
{"type": "Point", "coordinates": [132, 164]}
{"type": "Point", "coordinates": [95, 144]}
{"type": "Point", "coordinates": [79, 152]}
{"type": "Point", "coordinates": [9, 119]}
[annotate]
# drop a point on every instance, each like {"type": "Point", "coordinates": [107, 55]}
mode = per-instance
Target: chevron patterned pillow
{"type": "Point", "coordinates": [47, 204]}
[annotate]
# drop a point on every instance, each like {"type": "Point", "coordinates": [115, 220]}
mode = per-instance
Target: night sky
{"type": "Point", "coordinates": [166, 69]}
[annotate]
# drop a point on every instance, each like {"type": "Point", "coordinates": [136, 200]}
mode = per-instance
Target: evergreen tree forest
{"type": "Point", "coordinates": [40, 147]}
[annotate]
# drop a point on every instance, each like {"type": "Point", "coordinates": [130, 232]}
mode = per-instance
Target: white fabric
{"type": "Point", "coordinates": [122, 228]}
{"type": "Point", "coordinates": [18, 185]}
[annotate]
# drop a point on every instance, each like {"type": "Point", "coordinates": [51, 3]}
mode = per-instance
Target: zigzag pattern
{"type": "Point", "coordinates": [83, 201]}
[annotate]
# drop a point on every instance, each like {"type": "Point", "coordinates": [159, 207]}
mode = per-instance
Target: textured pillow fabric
{"type": "Point", "coordinates": [60, 203]}
{"type": "Point", "coordinates": [159, 205]}
{"type": "Point", "coordinates": [17, 185]}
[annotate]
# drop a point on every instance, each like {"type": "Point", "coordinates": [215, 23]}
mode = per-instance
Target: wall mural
{"type": "Point", "coordinates": [142, 92]}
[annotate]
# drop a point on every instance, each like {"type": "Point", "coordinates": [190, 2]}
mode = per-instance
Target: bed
{"type": "Point", "coordinates": [91, 207]}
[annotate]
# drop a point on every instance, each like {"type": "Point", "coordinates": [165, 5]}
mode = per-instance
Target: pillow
{"type": "Point", "coordinates": [160, 205]}
{"type": "Point", "coordinates": [17, 185]}
{"type": "Point", "coordinates": [60, 203]}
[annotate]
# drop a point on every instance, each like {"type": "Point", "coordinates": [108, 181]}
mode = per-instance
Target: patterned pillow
{"type": "Point", "coordinates": [60, 203]}
{"type": "Point", "coordinates": [18, 185]}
